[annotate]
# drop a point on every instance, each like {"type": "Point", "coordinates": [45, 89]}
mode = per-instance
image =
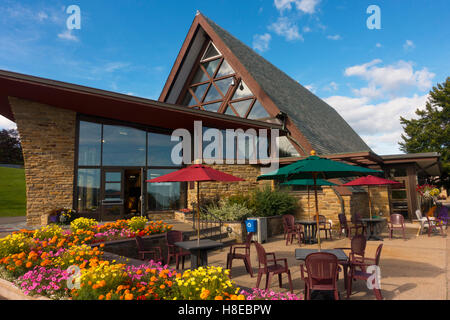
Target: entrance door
{"type": "Point", "coordinates": [112, 194]}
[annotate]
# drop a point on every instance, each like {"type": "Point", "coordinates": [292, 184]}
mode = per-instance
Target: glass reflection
{"type": "Point", "coordinates": [89, 145]}
{"type": "Point", "coordinates": [160, 149]}
{"type": "Point", "coordinates": [123, 146]}
{"type": "Point", "coordinates": [88, 189]}
{"type": "Point", "coordinates": [162, 196]}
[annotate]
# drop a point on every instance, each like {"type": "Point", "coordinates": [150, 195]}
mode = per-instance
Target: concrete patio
{"type": "Point", "coordinates": [414, 269]}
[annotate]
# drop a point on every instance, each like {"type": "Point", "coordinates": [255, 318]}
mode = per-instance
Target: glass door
{"type": "Point", "coordinates": [112, 194]}
{"type": "Point", "coordinates": [399, 197]}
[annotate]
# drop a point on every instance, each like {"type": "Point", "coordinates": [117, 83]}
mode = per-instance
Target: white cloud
{"type": "Point", "coordinates": [409, 45]}
{"type": "Point", "coordinates": [6, 124]}
{"type": "Point", "coordinates": [378, 45]}
{"type": "Point", "coordinates": [67, 35]}
{"type": "Point", "coordinates": [393, 80]}
{"type": "Point", "coordinates": [311, 87]}
{"type": "Point", "coordinates": [286, 28]}
{"type": "Point", "coordinates": [261, 42]}
{"type": "Point", "coordinates": [306, 6]}
{"type": "Point", "coordinates": [334, 37]}
{"type": "Point", "coordinates": [306, 29]}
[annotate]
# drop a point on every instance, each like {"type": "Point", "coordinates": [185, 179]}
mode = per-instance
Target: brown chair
{"type": "Point", "coordinates": [357, 222]}
{"type": "Point", "coordinates": [348, 228]}
{"type": "Point", "coordinates": [292, 230]}
{"type": "Point", "coordinates": [142, 250]}
{"type": "Point", "coordinates": [322, 273]}
{"type": "Point", "coordinates": [173, 250]}
{"type": "Point", "coordinates": [244, 256]}
{"type": "Point", "coordinates": [357, 253]}
{"type": "Point", "coordinates": [271, 269]}
{"type": "Point", "coordinates": [433, 224]}
{"type": "Point", "coordinates": [324, 225]}
{"type": "Point", "coordinates": [355, 274]}
{"type": "Point", "coordinates": [397, 222]}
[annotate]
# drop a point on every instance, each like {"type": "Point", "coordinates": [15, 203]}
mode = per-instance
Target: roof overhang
{"type": "Point", "coordinates": [363, 158]}
{"type": "Point", "coordinates": [428, 163]}
{"type": "Point", "coordinates": [107, 104]}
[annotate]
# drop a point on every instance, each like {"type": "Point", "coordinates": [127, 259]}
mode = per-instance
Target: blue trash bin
{"type": "Point", "coordinates": [251, 225]}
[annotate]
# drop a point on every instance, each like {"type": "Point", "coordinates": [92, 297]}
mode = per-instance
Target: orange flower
{"type": "Point", "coordinates": [101, 297]}
{"type": "Point", "coordinates": [205, 294]}
{"type": "Point", "coordinates": [129, 296]}
{"type": "Point", "coordinates": [162, 286]}
{"type": "Point", "coordinates": [18, 263]}
{"type": "Point", "coordinates": [29, 264]}
{"type": "Point", "coordinates": [218, 298]}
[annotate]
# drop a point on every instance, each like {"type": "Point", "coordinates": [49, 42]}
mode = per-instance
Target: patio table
{"type": "Point", "coordinates": [199, 250]}
{"type": "Point", "coordinates": [310, 227]}
{"type": "Point", "coordinates": [372, 223]}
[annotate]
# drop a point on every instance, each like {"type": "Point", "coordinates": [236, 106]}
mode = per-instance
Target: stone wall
{"type": "Point", "coordinates": [209, 190]}
{"type": "Point", "coordinates": [48, 141]}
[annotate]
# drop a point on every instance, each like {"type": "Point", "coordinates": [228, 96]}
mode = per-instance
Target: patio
{"type": "Point", "coordinates": [415, 269]}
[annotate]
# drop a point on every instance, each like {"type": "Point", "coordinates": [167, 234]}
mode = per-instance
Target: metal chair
{"type": "Point", "coordinates": [272, 269]}
{"type": "Point", "coordinates": [244, 256]}
{"type": "Point", "coordinates": [322, 273]}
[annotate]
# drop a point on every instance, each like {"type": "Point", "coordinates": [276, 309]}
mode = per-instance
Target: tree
{"type": "Point", "coordinates": [10, 147]}
{"type": "Point", "coordinates": [431, 131]}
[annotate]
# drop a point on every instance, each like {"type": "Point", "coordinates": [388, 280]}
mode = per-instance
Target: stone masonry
{"type": "Point", "coordinates": [48, 141]}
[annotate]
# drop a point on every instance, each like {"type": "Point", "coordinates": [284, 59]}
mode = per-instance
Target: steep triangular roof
{"type": "Point", "coordinates": [317, 125]}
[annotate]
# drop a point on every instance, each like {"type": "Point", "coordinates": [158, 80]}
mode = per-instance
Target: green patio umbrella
{"type": "Point", "coordinates": [316, 168]}
{"type": "Point", "coordinates": [308, 183]}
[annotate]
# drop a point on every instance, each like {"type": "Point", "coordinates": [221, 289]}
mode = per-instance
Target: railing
{"type": "Point", "coordinates": [210, 224]}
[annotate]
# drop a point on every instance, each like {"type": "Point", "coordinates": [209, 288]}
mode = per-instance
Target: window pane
{"type": "Point", "coordinates": [113, 176]}
{"type": "Point", "coordinates": [210, 52]}
{"type": "Point", "coordinates": [162, 196]}
{"type": "Point", "coordinates": [212, 95]}
{"type": "Point", "coordinates": [123, 146]}
{"type": "Point", "coordinates": [113, 191]}
{"type": "Point", "coordinates": [286, 148]}
{"type": "Point", "coordinates": [230, 111]}
{"type": "Point", "coordinates": [200, 76]}
{"type": "Point", "coordinates": [88, 189]}
{"type": "Point", "coordinates": [199, 91]}
{"type": "Point", "coordinates": [211, 66]}
{"type": "Point", "coordinates": [189, 100]}
{"type": "Point", "coordinates": [160, 149]}
{"type": "Point", "coordinates": [225, 70]}
{"type": "Point", "coordinates": [214, 107]}
{"type": "Point", "coordinates": [224, 85]}
{"type": "Point", "coordinates": [242, 91]}
{"type": "Point", "coordinates": [241, 107]}
{"type": "Point", "coordinates": [89, 145]}
{"type": "Point", "coordinates": [258, 112]}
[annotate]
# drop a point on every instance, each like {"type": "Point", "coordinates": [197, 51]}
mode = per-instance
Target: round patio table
{"type": "Point", "coordinates": [372, 223]}
{"type": "Point", "coordinates": [199, 250]}
{"type": "Point", "coordinates": [310, 227]}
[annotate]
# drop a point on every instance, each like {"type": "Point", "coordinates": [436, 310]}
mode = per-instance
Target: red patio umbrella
{"type": "Point", "coordinates": [196, 173]}
{"type": "Point", "coordinates": [370, 181]}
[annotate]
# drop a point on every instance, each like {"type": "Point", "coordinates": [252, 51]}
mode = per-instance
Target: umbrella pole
{"type": "Point", "coordinates": [317, 209]}
{"type": "Point", "coordinates": [198, 212]}
{"type": "Point", "coordinates": [370, 202]}
{"type": "Point", "coordinates": [309, 207]}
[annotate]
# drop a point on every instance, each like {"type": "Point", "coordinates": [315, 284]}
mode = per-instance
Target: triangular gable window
{"type": "Point", "coordinates": [215, 87]}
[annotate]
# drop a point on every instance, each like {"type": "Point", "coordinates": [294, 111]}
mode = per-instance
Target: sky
{"type": "Point", "coordinates": [371, 66]}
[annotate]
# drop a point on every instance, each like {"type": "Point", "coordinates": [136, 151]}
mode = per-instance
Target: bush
{"type": "Point", "coordinates": [228, 211]}
{"type": "Point", "coordinates": [267, 202]}
{"type": "Point", "coordinates": [137, 223]}
{"type": "Point", "coordinates": [82, 224]}
{"type": "Point", "coordinates": [48, 232]}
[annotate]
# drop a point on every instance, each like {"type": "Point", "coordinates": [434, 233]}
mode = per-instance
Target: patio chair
{"type": "Point", "coordinates": [356, 221]}
{"type": "Point", "coordinates": [357, 253]}
{"type": "Point", "coordinates": [272, 269]}
{"type": "Point", "coordinates": [355, 274]}
{"type": "Point", "coordinates": [325, 225]}
{"type": "Point", "coordinates": [143, 251]}
{"type": "Point", "coordinates": [244, 256]}
{"type": "Point", "coordinates": [396, 222]}
{"type": "Point", "coordinates": [322, 273]}
{"type": "Point", "coordinates": [346, 227]}
{"type": "Point", "coordinates": [292, 230]}
{"type": "Point", "coordinates": [433, 224]}
{"type": "Point", "coordinates": [173, 251]}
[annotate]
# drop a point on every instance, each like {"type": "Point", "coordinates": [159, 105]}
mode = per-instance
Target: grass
{"type": "Point", "coordinates": [12, 192]}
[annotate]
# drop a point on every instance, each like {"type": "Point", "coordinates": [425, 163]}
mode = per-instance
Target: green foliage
{"type": "Point", "coordinates": [431, 131]}
{"type": "Point", "coordinates": [267, 202]}
{"type": "Point", "coordinates": [82, 224]}
{"type": "Point", "coordinates": [137, 223]}
{"type": "Point", "coordinates": [10, 147]}
{"type": "Point", "coordinates": [229, 211]}
{"type": "Point", "coordinates": [48, 232]}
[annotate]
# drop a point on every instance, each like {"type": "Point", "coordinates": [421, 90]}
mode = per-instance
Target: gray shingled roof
{"type": "Point", "coordinates": [324, 128]}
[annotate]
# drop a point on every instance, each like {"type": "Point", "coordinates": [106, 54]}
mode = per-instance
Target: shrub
{"type": "Point", "coordinates": [48, 232]}
{"type": "Point", "coordinates": [241, 199]}
{"type": "Point", "coordinates": [267, 202]}
{"type": "Point", "coordinates": [137, 223]}
{"type": "Point", "coordinates": [228, 211]}
{"type": "Point", "coordinates": [82, 224]}
{"type": "Point", "coordinates": [15, 243]}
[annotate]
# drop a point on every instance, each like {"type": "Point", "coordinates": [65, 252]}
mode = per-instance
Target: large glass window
{"type": "Point", "coordinates": [162, 196]}
{"type": "Point", "coordinates": [88, 189]}
{"type": "Point", "coordinates": [123, 146]}
{"type": "Point", "coordinates": [89, 144]}
{"type": "Point", "coordinates": [160, 150]}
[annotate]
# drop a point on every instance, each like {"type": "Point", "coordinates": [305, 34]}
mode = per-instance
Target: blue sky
{"type": "Point", "coordinates": [370, 77]}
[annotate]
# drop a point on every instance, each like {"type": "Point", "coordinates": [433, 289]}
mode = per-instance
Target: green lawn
{"type": "Point", "coordinates": [12, 192]}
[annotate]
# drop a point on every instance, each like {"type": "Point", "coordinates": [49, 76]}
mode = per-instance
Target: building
{"type": "Point", "coordinates": [93, 150]}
